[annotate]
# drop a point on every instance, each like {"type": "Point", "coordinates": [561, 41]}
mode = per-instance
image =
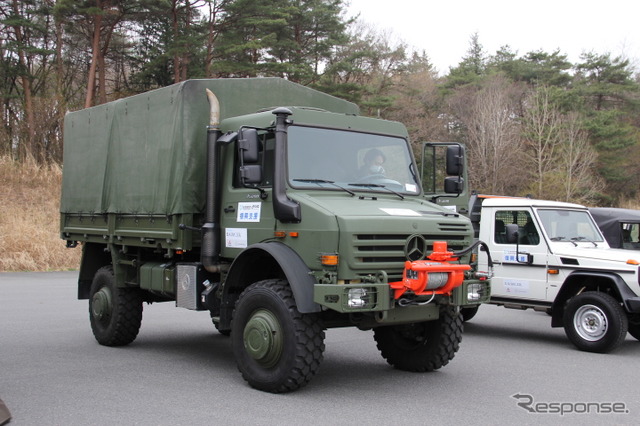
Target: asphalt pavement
{"type": "Point", "coordinates": [512, 367]}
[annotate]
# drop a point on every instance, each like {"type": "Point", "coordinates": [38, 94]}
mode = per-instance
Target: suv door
{"type": "Point", "coordinates": [514, 277]}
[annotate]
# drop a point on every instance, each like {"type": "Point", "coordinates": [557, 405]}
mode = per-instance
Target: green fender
{"type": "Point", "coordinates": [273, 260]}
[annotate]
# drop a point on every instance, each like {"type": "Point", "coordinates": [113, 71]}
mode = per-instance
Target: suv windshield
{"type": "Point", "coordinates": [333, 159]}
{"type": "Point", "coordinates": [569, 225]}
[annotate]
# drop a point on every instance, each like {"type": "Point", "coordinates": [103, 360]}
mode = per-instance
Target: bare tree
{"type": "Point", "coordinates": [542, 130]}
{"type": "Point", "coordinates": [558, 151]}
{"type": "Point", "coordinates": [577, 160]}
{"type": "Point", "coordinates": [487, 118]}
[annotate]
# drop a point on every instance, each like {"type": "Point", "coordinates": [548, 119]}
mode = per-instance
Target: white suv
{"type": "Point", "coordinates": [551, 256]}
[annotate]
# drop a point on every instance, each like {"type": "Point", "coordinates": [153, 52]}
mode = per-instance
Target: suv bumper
{"type": "Point", "coordinates": [632, 305]}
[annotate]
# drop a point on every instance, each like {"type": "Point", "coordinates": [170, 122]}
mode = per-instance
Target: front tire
{"type": "Point", "coordinates": [277, 348]}
{"type": "Point", "coordinates": [424, 346]}
{"type": "Point", "coordinates": [115, 313]}
{"type": "Point", "coordinates": [595, 322]}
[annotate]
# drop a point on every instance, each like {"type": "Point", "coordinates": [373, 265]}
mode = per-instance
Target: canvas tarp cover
{"type": "Point", "coordinates": [609, 221]}
{"type": "Point", "coordinates": [146, 154]}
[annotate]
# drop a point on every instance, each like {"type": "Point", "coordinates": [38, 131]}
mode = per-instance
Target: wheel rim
{"type": "Point", "coordinates": [263, 338]}
{"type": "Point", "coordinates": [590, 322]}
{"type": "Point", "coordinates": [101, 304]}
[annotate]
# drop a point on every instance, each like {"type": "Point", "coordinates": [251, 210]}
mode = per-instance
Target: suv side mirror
{"type": "Point", "coordinates": [512, 233]}
{"type": "Point", "coordinates": [513, 237]}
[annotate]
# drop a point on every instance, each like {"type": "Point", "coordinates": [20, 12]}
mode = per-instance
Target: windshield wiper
{"type": "Point", "coordinates": [563, 239]}
{"type": "Point", "coordinates": [584, 239]}
{"type": "Point", "coordinates": [445, 214]}
{"type": "Point", "coordinates": [413, 173]}
{"type": "Point", "coordinates": [375, 185]}
{"type": "Point", "coordinates": [353, 194]}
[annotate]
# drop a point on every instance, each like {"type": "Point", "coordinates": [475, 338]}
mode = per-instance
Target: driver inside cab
{"type": "Point", "coordinates": [373, 161]}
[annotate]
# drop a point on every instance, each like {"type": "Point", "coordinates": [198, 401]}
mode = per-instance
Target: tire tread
{"type": "Point", "coordinates": [127, 312]}
{"type": "Point", "coordinates": [309, 340]}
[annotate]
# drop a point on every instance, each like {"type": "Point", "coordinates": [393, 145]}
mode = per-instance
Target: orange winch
{"type": "Point", "coordinates": [433, 276]}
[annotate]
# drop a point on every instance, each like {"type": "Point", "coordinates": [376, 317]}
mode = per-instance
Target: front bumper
{"type": "Point", "coordinates": [378, 297]}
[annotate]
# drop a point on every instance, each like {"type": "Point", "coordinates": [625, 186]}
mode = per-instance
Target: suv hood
{"type": "Point", "coordinates": [594, 253]}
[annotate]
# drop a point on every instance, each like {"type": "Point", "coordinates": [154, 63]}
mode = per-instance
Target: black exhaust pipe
{"type": "Point", "coordinates": [210, 254]}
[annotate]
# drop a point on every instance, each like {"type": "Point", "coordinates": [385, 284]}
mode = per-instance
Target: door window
{"type": "Point", "coordinates": [528, 234]}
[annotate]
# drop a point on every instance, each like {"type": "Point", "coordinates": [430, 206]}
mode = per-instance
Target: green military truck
{"type": "Point", "coordinates": [274, 207]}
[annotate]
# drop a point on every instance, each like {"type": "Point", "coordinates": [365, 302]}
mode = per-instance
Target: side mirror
{"type": "Point", "coordinates": [453, 185]}
{"type": "Point", "coordinates": [251, 174]}
{"type": "Point", "coordinates": [512, 233]}
{"type": "Point", "coordinates": [513, 237]}
{"type": "Point", "coordinates": [248, 151]}
{"type": "Point", "coordinates": [455, 160]}
{"type": "Point", "coordinates": [248, 145]}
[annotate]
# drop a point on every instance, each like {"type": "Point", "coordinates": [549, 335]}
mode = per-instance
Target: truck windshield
{"type": "Point", "coordinates": [334, 159]}
{"type": "Point", "coordinates": [569, 225]}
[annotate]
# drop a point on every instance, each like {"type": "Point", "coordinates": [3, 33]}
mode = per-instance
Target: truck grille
{"type": "Point", "coordinates": [377, 251]}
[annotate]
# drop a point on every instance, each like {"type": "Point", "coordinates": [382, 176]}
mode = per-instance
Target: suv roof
{"type": "Point", "coordinates": [490, 201]}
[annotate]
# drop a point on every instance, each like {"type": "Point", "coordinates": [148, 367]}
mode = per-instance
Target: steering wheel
{"type": "Point", "coordinates": [380, 179]}
{"type": "Point", "coordinates": [370, 178]}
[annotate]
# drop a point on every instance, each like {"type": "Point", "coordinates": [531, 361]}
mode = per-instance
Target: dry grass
{"type": "Point", "coordinates": [29, 219]}
{"type": "Point", "coordinates": [633, 204]}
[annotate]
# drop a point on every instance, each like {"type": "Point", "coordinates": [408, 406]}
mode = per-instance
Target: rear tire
{"type": "Point", "coordinates": [595, 322]}
{"type": "Point", "coordinates": [115, 313]}
{"type": "Point", "coordinates": [424, 346]}
{"type": "Point", "coordinates": [277, 348]}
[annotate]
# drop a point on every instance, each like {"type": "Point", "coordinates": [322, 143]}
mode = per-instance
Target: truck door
{"type": "Point", "coordinates": [246, 210]}
{"type": "Point", "coordinates": [514, 276]}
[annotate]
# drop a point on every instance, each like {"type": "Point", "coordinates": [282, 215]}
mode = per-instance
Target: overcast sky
{"type": "Point", "coordinates": [443, 28]}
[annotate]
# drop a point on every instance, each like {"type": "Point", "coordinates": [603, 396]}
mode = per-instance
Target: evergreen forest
{"type": "Point", "coordinates": [533, 122]}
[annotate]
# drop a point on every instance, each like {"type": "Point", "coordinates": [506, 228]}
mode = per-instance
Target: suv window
{"type": "Point", "coordinates": [569, 225]}
{"type": "Point", "coordinates": [527, 231]}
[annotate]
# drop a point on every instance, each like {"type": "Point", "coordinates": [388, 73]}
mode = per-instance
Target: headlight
{"type": "Point", "coordinates": [357, 298]}
{"type": "Point", "coordinates": [475, 292]}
